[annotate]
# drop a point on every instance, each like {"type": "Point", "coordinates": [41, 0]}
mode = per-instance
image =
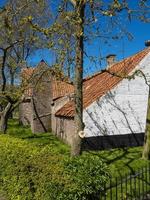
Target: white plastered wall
{"type": "Point", "coordinates": [123, 109]}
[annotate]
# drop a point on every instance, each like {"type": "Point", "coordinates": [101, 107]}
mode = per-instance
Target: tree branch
{"type": "Point", "coordinates": [73, 2]}
{"type": "Point", "coordinates": [136, 73]}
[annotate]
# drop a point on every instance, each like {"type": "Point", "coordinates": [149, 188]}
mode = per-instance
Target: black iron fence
{"type": "Point", "coordinates": [134, 186]}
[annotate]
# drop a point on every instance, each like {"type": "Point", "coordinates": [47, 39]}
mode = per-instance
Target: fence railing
{"type": "Point", "coordinates": [133, 186]}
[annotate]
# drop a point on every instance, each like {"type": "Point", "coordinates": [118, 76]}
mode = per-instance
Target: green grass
{"type": "Point", "coordinates": [41, 139]}
{"type": "Point", "coordinates": [31, 168]}
{"type": "Point", "coordinates": [120, 161]}
{"type": "Point", "coordinates": [123, 161]}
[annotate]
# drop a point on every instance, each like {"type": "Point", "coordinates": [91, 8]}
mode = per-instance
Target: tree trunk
{"type": "Point", "coordinates": [4, 118]}
{"type": "Point", "coordinates": [12, 80]}
{"type": "Point", "coordinates": [146, 149]}
{"type": "Point", "coordinates": [76, 145]}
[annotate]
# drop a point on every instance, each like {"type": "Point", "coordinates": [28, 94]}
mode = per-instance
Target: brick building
{"type": "Point", "coordinates": [45, 95]}
{"type": "Point", "coordinates": [115, 107]}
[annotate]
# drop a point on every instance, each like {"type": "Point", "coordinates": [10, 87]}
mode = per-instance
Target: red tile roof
{"type": "Point", "coordinates": [99, 84]}
{"type": "Point", "coordinates": [59, 88]}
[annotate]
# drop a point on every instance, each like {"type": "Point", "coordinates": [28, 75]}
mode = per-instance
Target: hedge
{"type": "Point", "coordinates": [28, 172]}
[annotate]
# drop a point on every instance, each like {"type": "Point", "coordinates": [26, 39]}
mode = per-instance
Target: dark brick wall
{"type": "Point", "coordinates": [65, 129]}
{"type": "Point", "coordinates": [25, 112]}
{"type": "Point", "coordinates": [41, 106]}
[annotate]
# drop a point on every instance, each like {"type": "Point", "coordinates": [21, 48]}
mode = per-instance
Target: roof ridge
{"type": "Point", "coordinates": [116, 63]}
{"type": "Point", "coordinates": [101, 83]}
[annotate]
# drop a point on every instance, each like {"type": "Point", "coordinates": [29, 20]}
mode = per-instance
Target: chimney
{"type": "Point", "coordinates": [110, 59]}
{"type": "Point", "coordinates": [147, 43]}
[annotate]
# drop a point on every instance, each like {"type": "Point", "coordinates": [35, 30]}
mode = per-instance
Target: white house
{"type": "Point", "coordinates": [115, 107]}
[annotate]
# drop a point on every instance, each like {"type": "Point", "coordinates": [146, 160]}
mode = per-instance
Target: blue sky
{"type": "Point", "coordinates": [125, 47]}
{"type": "Point", "coordinates": [122, 48]}
{"type": "Point", "coordinates": [2, 3]}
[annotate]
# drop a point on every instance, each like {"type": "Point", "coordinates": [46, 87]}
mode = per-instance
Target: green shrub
{"type": "Point", "coordinates": [28, 172]}
{"type": "Point", "coordinates": [87, 176]}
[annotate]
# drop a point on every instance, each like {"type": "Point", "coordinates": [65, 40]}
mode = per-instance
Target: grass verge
{"type": "Point", "coordinates": [119, 161]}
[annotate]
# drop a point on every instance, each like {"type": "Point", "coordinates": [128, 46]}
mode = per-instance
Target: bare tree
{"type": "Point", "coordinates": [17, 42]}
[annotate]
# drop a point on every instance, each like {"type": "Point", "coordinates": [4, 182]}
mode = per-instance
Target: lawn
{"type": "Point", "coordinates": [41, 139]}
{"type": "Point", "coordinates": [120, 161]}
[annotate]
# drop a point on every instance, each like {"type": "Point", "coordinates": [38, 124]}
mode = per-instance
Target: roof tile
{"type": "Point", "coordinates": [59, 88]}
{"type": "Point", "coordinates": [99, 84]}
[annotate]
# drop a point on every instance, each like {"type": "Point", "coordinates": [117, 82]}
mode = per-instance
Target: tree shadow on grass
{"type": "Point", "coordinates": [122, 160]}
{"type": "Point", "coordinates": [38, 139]}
